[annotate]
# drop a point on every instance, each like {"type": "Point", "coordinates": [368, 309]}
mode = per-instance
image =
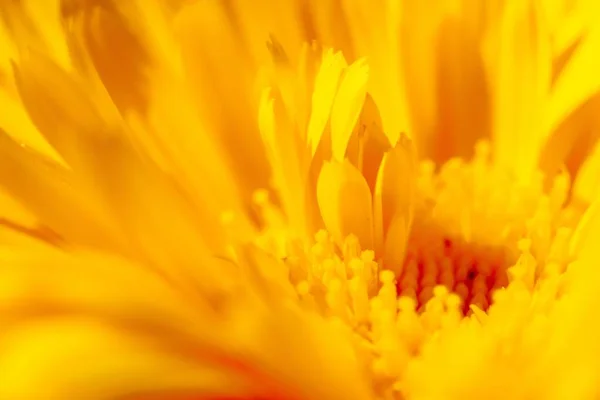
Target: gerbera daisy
{"type": "Point", "coordinates": [298, 199]}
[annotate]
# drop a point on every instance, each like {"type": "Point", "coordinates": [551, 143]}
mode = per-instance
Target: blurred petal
{"type": "Point", "coordinates": [221, 74]}
{"type": "Point", "coordinates": [118, 55]}
{"type": "Point", "coordinates": [578, 81]}
{"type": "Point", "coordinates": [463, 98]}
{"type": "Point", "coordinates": [83, 350]}
{"type": "Point", "coordinates": [284, 149]}
{"type": "Point", "coordinates": [331, 30]}
{"type": "Point", "coordinates": [587, 183]}
{"type": "Point", "coordinates": [374, 31]}
{"type": "Point", "coordinates": [262, 19]}
{"type": "Point", "coordinates": [66, 206]}
{"type": "Point", "coordinates": [522, 87]}
{"type": "Point", "coordinates": [419, 23]}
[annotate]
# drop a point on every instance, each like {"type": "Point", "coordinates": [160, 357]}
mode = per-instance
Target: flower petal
{"type": "Point", "coordinates": [463, 101]}
{"type": "Point", "coordinates": [374, 30]}
{"type": "Point", "coordinates": [571, 90]}
{"type": "Point", "coordinates": [290, 163]}
{"type": "Point", "coordinates": [77, 358]}
{"type": "Point", "coordinates": [395, 193]}
{"type": "Point", "coordinates": [148, 206]}
{"type": "Point", "coordinates": [368, 142]}
{"type": "Point", "coordinates": [326, 86]}
{"type": "Point", "coordinates": [331, 30]}
{"type": "Point", "coordinates": [292, 345]}
{"type": "Point", "coordinates": [66, 207]}
{"type": "Point", "coordinates": [347, 106]}
{"type": "Point", "coordinates": [117, 53]}
{"type": "Point", "coordinates": [222, 76]}
{"type": "Point", "coordinates": [345, 202]}
{"type": "Point", "coordinates": [522, 87]}
{"type": "Point", "coordinates": [262, 19]}
{"type": "Point", "coordinates": [587, 182]}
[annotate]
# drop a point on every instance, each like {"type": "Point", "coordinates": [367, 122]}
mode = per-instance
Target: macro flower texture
{"type": "Point", "coordinates": [299, 199]}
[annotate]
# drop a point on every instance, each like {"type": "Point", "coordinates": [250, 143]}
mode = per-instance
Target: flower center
{"type": "Point", "coordinates": [471, 271]}
{"type": "Point", "coordinates": [475, 230]}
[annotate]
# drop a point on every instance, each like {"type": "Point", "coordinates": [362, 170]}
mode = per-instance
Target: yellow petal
{"type": "Point", "coordinates": [395, 242]}
{"type": "Point", "coordinates": [58, 105]}
{"type": "Point", "coordinates": [583, 242]}
{"type": "Point", "coordinates": [290, 163]}
{"type": "Point", "coordinates": [38, 26]}
{"type": "Point", "coordinates": [587, 182]}
{"type": "Point", "coordinates": [578, 81]}
{"type": "Point", "coordinates": [395, 193]}
{"type": "Point", "coordinates": [326, 85]}
{"type": "Point", "coordinates": [268, 274]}
{"type": "Point", "coordinates": [331, 30]}
{"type": "Point", "coordinates": [118, 55]}
{"type": "Point", "coordinates": [170, 131]}
{"type": "Point", "coordinates": [368, 142]}
{"type": "Point", "coordinates": [15, 122]}
{"type": "Point", "coordinates": [570, 142]}
{"type": "Point", "coordinates": [155, 213]}
{"type": "Point", "coordinates": [292, 344]}
{"type": "Point", "coordinates": [66, 207]}
{"type": "Point", "coordinates": [80, 358]}
{"type": "Point", "coordinates": [374, 30]}
{"type": "Point", "coordinates": [11, 210]}
{"type": "Point", "coordinates": [221, 76]}
{"type": "Point", "coordinates": [347, 106]}
{"type": "Point", "coordinates": [522, 86]}
{"type": "Point", "coordinates": [345, 202]}
{"type": "Point", "coordinates": [262, 19]}
{"type": "Point", "coordinates": [463, 101]}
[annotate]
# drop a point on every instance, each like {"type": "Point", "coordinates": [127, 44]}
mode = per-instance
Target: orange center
{"type": "Point", "coordinates": [471, 271]}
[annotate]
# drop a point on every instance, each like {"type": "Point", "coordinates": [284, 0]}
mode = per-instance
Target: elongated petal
{"type": "Point", "coordinates": [395, 192]}
{"type": "Point", "coordinates": [570, 142]}
{"type": "Point", "coordinates": [172, 130]}
{"type": "Point", "coordinates": [522, 87]}
{"type": "Point", "coordinates": [66, 207]}
{"type": "Point", "coordinates": [290, 344]}
{"type": "Point", "coordinates": [396, 240]}
{"type": "Point", "coordinates": [417, 31]}
{"type": "Point", "coordinates": [573, 121]}
{"type": "Point", "coordinates": [330, 29]}
{"type": "Point", "coordinates": [13, 212]}
{"type": "Point", "coordinates": [289, 161]}
{"type": "Point", "coordinates": [374, 31]}
{"type": "Point", "coordinates": [578, 81]}
{"type": "Point", "coordinates": [587, 183]}
{"type": "Point", "coordinates": [347, 107]}
{"type": "Point", "coordinates": [34, 25]}
{"type": "Point", "coordinates": [345, 202]}
{"type": "Point", "coordinates": [326, 86]}
{"type": "Point", "coordinates": [118, 55]}
{"type": "Point", "coordinates": [63, 358]}
{"type": "Point", "coordinates": [222, 76]}
{"type": "Point", "coordinates": [262, 19]}
{"type": "Point", "coordinates": [463, 98]}
{"type": "Point", "coordinates": [15, 122]}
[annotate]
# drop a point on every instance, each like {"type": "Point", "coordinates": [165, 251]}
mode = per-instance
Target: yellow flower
{"type": "Point", "coordinates": [223, 199]}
